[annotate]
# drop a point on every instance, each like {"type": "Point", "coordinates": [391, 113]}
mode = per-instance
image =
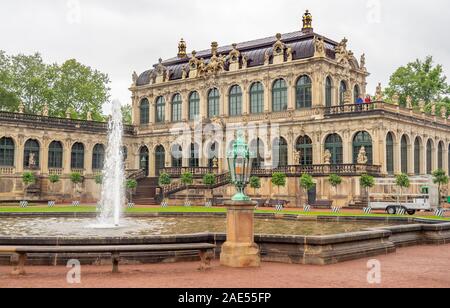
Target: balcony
{"type": "Point", "coordinates": [197, 172]}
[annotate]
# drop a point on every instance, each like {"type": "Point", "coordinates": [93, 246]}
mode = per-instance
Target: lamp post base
{"type": "Point", "coordinates": [240, 250]}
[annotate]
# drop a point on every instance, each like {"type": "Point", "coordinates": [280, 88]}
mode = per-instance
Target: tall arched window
{"type": "Point", "coordinates": [235, 101]}
{"type": "Point", "coordinates": [404, 154]}
{"type": "Point", "coordinates": [304, 149]}
{"type": "Point", "coordinates": [390, 153]}
{"type": "Point", "coordinates": [333, 143]}
{"type": "Point", "coordinates": [144, 110]}
{"type": "Point", "coordinates": [177, 107]}
{"type": "Point", "coordinates": [98, 157]}
{"type": "Point", "coordinates": [77, 156]}
{"type": "Point", "coordinates": [441, 156]}
{"type": "Point", "coordinates": [194, 160]}
{"type": "Point", "coordinates": [279, 95]}
{"type": "Point", "coordinates": [429, 157]}
{"type": "Point", "coordinates": [256, 98]}
{"type": "Point", "coordinates": [356, 93]}
{"type": "Point", "coordinates": [31, 150]}
{"type": "Point", "coordinates": [194, 106]}
{"type": "Point", "coordinates": [257, 147]}
{"type": "Point", "coordinates": [177, 156]}
{"type": "Point", "coordinates": [160, 110]}
{"type": "Point", "coordinates": [160, 159]}
{"type": "Point", "coordinates": [280, 152]}
{"type": "Point", "coordinates": [417, 156]}
{"type": "Point", "coordinates": [304, 92]}
{"type": "Point", "coordinates": [55, 155]}
{"type": "Point", "coordinates": [7, 149]}
{"type": "Point", "coordinates": [342, 91]}
{"type": "Point", "coordinates": [144, 160]}
{"type": "Point", "coordinates": [363, 139]}
{"type": "Point", "coordinates": [213, 103]}
{"type": "Point", "coordinates": [328, 92]}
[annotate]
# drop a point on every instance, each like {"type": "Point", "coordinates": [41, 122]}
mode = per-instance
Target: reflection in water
{"type": "Point", "coordinates": [78, 227]}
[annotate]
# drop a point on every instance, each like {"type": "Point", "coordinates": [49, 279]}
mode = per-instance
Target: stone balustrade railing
{"type": "Point", "coordinates": [7, 170]}
{"type": "Point", "coordinates": [55, 171]}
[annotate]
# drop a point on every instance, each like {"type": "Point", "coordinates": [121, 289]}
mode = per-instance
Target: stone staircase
{"type": "Point", "coordinates": [146, 192]}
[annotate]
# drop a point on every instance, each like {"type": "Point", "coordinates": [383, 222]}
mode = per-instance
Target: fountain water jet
{"type": "Point", "coordinates": [113, 187]}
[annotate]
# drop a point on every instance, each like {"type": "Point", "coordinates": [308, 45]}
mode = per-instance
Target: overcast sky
{"type": "Point", "coordinates": [119, 37]}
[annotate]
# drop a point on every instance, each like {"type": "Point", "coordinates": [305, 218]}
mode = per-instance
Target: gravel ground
{"type": "Point", "coordinates": [421, 266]}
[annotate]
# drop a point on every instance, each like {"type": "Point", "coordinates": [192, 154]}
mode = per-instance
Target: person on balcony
{"type": "Point", "coordinates": [359, 102]}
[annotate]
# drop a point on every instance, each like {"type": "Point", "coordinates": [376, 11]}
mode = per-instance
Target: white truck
{"type": "Point", "coordinates": [422, 195]}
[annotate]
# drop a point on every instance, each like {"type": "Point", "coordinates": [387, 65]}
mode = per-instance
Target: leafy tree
{"type": "Point", "coordinates": [421, 80]}
{"type": "Point", "coordinates": [367, 181]}
{"type": "Point", "coordinates": [255, 183]}
{"type": "Point", "coordinates": [187, 179]}
{"type": "Point", "coordinates": [131, 185]}
{"type": "Point", "coordinates": [210, 179]}
{"type": "Point", "coordinates": [440, 178]}
{"type": "Point", "coordinates": [76, 178]}
{"type": "Point", "coordinates": [164, 180]}
{"type": "Point", "coordinates": [126, 113]}
{"type": "Point", "coordinates": [402, 181]}
{"type": "Point", "coordinates": [335, 180]}
{"type": "Point", "coordinates": [279, 180]}
{"type": "Point", "coordinates": [307, 183]}
{"type": "Point", "coordinates": [54, 178]}
{"type": "Point", "coordinates": [28, 179]}
{"type": "Point", "coordinates": [98, 179]}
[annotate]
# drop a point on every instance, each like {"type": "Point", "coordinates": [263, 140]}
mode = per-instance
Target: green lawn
{"type": "Point", "coordinates": [182, 209]}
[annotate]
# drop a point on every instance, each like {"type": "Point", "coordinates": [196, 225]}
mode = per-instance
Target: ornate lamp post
{"type": "Point", "coordinates": [240, 249]}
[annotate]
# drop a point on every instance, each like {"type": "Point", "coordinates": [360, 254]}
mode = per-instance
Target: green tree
{"type": "Point", "coordinates": [422, 80]}
{"type": "Point", "coordinates": [279, 180]}
{"type": "Point", "coordinates": [76, 179]}
{"type": "Point", "coordinates": [28, 179]}
{"type": "Point", "coordinates": [335, 180]}
{"type": "Point", "coordinates": [126, 113]}
{"type": "Point", "coordinates": [164, 180]}
{"type": "Point", "coordinates": [131, 185]}
{"type": "Point", "coordinates": [440, 178]}
{"type": "Point", "coordinates": [210, 180]}
{"type": "Point", "coordinates": [98, 179]}
{"type": "Point", "coordinates": [402, 181]}
{"type": "Point", "coordinates": [306, 183]}
{"type": "Point", "coordinates": [187, 179]}
{"type": "Point", "coordinates": [53, 179]}
{"type": "Point", "coordinates": [255, 183]}
{"type": "Point", "coordinates": [367, 181]}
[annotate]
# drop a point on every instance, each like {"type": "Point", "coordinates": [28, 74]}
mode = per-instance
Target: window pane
{"type": "Point", "coordinates": [304, 93]}
{"type": "Point", "coordinates": [279, 96]}
{"type": "Point", "coordinates": [257, 98]}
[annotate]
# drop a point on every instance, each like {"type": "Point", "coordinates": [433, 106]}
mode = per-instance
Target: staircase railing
{"type": "Point", "coordinates": [136, 174]}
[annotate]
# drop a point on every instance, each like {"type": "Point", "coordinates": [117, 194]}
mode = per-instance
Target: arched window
{"type": "Point", "coordinates": [7, 149]}
{"type": "Point", "coordinates": [356, 93]}
{"type": "Point", "coordinates": [328, 92]}
{"type": "Point", "coordinates": [363, 139]}
{"type": "Point", "coordinates": [417, 154]}
{"type": "Point", "coordinates": [235, 101]}
{"type": "Point", "coordinates": [304, 149]}
{"type": "Point", "coordinates": [77, 156]}
{"type": "Point", "coordinates": [213, 103]}
{"type": "Point", "coordinates": [279, 96]}
{"type": "Point", "coordinates": [144, 110]}
{"type": "Point", "coordinates": [257, 147]}
{"type": "Point", "coordinates": [31, 154]}
{"type": "Point", "coordinates": [144, 162]}
{"type": "Point", "coordinates": [390, 153]}
{"type": "Point", "coordinates": [342, 91]}
{"type": "Point", "coordinates": [98, 157]}
{"type": "Point", "coordinates": [213, 153]}
{"type": "Point", "coordinates": [333, 143]}
{"type": "Point", "coordinates": [177, 156]}
{"type": "Point", "coordinates": [160, 110]}
{"type": "Point", "coordinates": [194, 106]}
{"type": "Point", "coordinates": [441, 156]}
{"type": "Point", "coordinates": [429, 157]}
{"type": "Point", "coordinates": [304, 92]}
{"type": "Point", "coordinates": [177, 107]}
{"type": "Point", "coordinates": [404, 154]}
{"type": "Point", "coordinates": [257, 98]}
{"type": "Point", "coordinates": [280, 152]}
{"type": "Point", "coordinates": [55, 155]}
{"type": "Point", "coordinates": [194, 161]}
{"type": "Point", "coordinates": [160, 159]}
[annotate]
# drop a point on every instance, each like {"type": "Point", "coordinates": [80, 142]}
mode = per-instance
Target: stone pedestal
{"type": "Point", "coordinates": [240, 250]}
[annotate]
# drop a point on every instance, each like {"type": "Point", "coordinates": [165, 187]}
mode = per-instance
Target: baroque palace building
{"type": "Point", "coordinates": [293, 94]}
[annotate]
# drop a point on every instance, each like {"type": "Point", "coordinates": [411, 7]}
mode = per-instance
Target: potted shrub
{"type": "Point", "coordinates": [187, 179]}
{"type": "Point", "coordinates": [306, 183]}
{"type": "Point", "coordinates": [164, 181]}
{"type": "Point", "coordinates": [335, 180]}
{"type": "Point", "coordinates": [402, 181]}
{"type": "Point", "coordinates": [255, 183]}
{"type": "Point", "coordinates": [366, 181]}
{"type": "Point", "coordinates": [440, 178]}
{"type": "Point", "coordinates": [28, 179]}
{"type": "Point", "coordinates": [76, 179]}
{"type": "Point", "coordinates": [210, 180]}
{"type": "Point", "coordinates": [279, 180]}
{"type": "Point", "coordinates": [131, 185]}
{"type": "Point", "coordinates": [53, 179]}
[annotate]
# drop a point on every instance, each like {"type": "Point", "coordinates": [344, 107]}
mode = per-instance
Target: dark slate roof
{"type": "Point", "coordinates": [302, 45]}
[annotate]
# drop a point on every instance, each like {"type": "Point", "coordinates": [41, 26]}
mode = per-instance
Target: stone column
{"type": "Point", "coordinates": [185, 106]}
{"type": "Point", "coordinates": [291, 95]}
{"type": "Point", "coordinates": [19, 155]}
{"type": "Point", "coordinates": [240, 250]}
{"type": "Point", "coordinates": [67, 153]}
{"type": "Point", "coordinates": [267, 96]}
{"type": "Point", "coordinates": [88, 159]}
{"type": "Point", "coordinates": [152, 112]}
{"type": "Point", "coordinates": [168, 110]}
{"type": "Point", "coordinates": [410, 158]}
{"type": "Point", "coordinates": [44, 157]}
{"type": "Point", "coordinates": [245, 100]}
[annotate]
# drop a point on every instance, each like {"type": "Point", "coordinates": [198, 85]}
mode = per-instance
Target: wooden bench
{"type": "Point", "coordinates": [206, 252]}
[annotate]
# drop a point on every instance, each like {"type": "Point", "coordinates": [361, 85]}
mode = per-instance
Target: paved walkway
{"type": "Point", "coordinates": [421, 266]}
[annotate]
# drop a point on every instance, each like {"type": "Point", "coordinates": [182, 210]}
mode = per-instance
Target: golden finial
{"type": "Point", "coordinates": [307, 22]}
{"type": "Point", "coordinates": [182, 49]}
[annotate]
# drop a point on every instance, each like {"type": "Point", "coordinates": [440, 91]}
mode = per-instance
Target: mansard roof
{"type": "Point", "coordinates": [301, 42]}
